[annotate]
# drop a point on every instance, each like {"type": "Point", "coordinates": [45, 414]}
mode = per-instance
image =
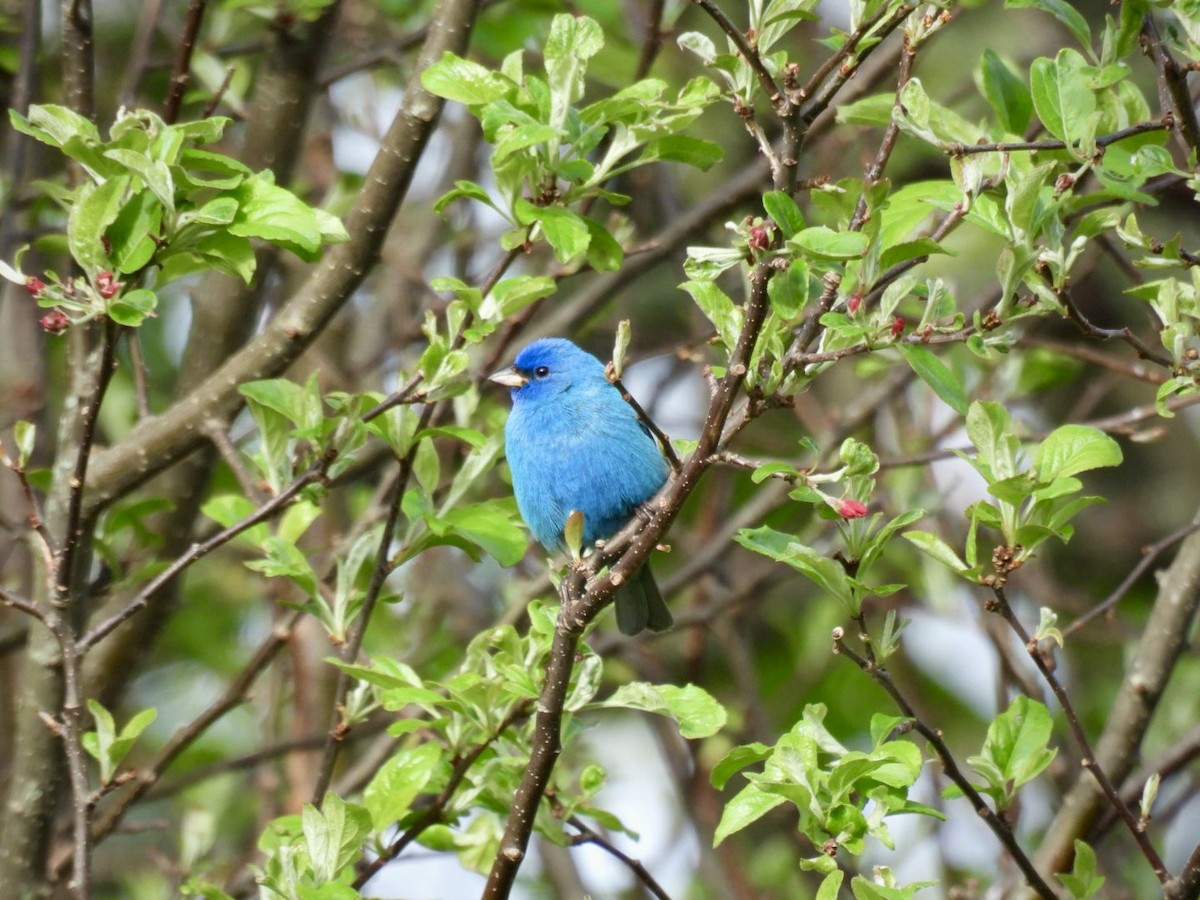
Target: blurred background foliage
{"type": "Point", "coordinates": [752, 633]}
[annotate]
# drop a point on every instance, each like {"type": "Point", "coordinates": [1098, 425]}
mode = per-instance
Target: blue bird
{"type": "Point", "coordinates": [573, 443]}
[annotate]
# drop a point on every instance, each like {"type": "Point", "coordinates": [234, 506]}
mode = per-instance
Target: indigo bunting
{"type": "Point", "coordinates": [573, 443]}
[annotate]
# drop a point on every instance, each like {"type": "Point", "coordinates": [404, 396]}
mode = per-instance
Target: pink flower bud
{"type": "Point", "coordinates": [851, 509]}
{"type": "Point", "coordinates": [759, 238]}
{"type": "Point", "coordinates": [34, 285]}
{"type": "Point", "coordinates": [55, 322]}
{"type": "Point", "coordinates": [107, 285]}
{"type": "Point", "coordinates": [898, 326]}
{"type": "Point", "coordinates": [854, 304]}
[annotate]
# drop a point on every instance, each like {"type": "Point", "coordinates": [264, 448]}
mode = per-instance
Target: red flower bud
{"type": "Point", "coordinates": [34, 285]}
{"type": "Point", "coordinates": [55, 322]}
{"type": "Point", "coordinates": [898, 326]}
{"type": "Point", "coordinates": [851, 509]}
{"type": "Point", "coordinates": [854, 304]}
{"type": "Point", "coordinates": [759, 238]}
{"type": "Point", "coordinates": [107, 285]}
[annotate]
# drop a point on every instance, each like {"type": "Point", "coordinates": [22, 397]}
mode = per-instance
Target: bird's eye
{"type": "Point", "coordinates": [541, 371]}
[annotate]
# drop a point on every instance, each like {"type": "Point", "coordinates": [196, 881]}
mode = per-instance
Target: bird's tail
{"type": "Point", "coordinates": [640, 604]}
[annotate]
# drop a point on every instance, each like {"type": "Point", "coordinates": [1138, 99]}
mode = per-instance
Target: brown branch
{"type": "Point", "coordinates": [1186, 885]}
{"type": "Point", "coordinates": [820, 90]}
{"type": "Point", "coordinates": [652, 42]}
{"type": "Point", "coordinates": [181, 72]}
{"type": "Point", "coordinates": [1173, 85]}
{"type": "Point", "coordinates": [999, 827]}
{"type": "Point", "coordinates": [78, 56]}
{"type": "Point", "coordinates": [1144, 350]}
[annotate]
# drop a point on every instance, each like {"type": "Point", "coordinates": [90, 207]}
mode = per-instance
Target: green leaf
{"type": "Point", "coordinates": [1016, 743]}
{"type": "Point", "coordinates": [784, 212]}
{"type": "Point", "coordinates": [514, 294]}
{"type": "Point", "coordinates": [1071, 449]}
{"type": "Point", "coordinates": [906, 250]}
{"type": "Point", "coordinates": [936, 374]}
{"type": "Point", "coordinates": [827, 573]}
{"type": "Point", "coordinates": [108, 747]}
{"type": "Point", "coordinates": [823, 242]}
{"type": "Point", "coordinates": [455, 78]}
{"type": "Point", "coordinates": [95, 208]}
{"type": "Point", "coordinates": [492, 526]}
{"type": "Point", "coordinates": [390, 794]}
{"type": "Point", "coordinates": [132, 307]}
{"type": "Point", "coordinates": [989, 428]}
{"type": "Point", "coordinates": [718, 308]}
{"type": "Point", "coordinates": [747, 807]}
{"type": "Point", "coordinates": [1006, 92]}
{"type": "Point", "coordinates": [1061, 10]}
{"type": "Point", "coordinates": [153, 172]}
{"type": "Point", "coordinates": [695, 152]}
{"type": "Point", "coordinates": [736, 760]}
{"type": "Point", "coordinates": [1083, 882]}
{"type": "Point", "coordinates": [275, 214]}
{"type": "Point", "coordinates": [1062, 97]}
{"type": "Point", "coordinates": [333, 835]}
{"type": "Point", "coordinates": [697, 712]}
{"type": "Point", "coordinates": [933, 546]}
{"type": "Point", "coordinates": [604, 252]}
{"type": "Point", "coordinates": [132, 233]}
{"type": "Point", "coordinates": [565, 231]}
{"type": "Point", "coordinates": [572, 41]}
{"type": "Point", "coordinates": [55, 125]}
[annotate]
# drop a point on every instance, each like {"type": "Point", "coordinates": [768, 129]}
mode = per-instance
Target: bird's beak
{"type": "Point", "coordinates": [509, 377]}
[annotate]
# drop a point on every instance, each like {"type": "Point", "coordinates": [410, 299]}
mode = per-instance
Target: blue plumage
{"type": "Point", "coordinates": [574, 443]}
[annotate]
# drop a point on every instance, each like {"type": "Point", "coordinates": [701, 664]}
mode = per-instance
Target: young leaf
{"type": "Point", "coordinates": [934, 546]}
{"type": "Point", "coordinates": [334, 835]}
{"type": "Point", "coordinates": [1071, 449]}
{"type": "Point", "coordinates": [698, 713]}
{"type": "Point", "coordinates": [1008, 94]}
{"type": "Point", "coordinates": [936, 374]}
{"type": "Point", "coordinates": [1062, 97]}
{"type": "Point", "coordinates": [390, 794]}
{"type": "Point", "coordinates": [1082, 881]}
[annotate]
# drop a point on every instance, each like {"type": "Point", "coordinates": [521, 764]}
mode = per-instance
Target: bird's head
{"type": "Point", "coordinates": [550, 366]}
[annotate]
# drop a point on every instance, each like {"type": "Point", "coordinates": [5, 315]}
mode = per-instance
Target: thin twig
{"type": "Point", "coordinates": [1149, 554]}
{"type": "Point", "coordinates": [1144, 350]}
{"type": "Point", "coordinates": [1089, 761]}
{"type": "Point", "coordinates": [379, 573]}
{"type": "Point", "coordinates": [588, 835]}
{"type": "Point", "coordinates": [316, 472]}
{"type": "Point", "coordinates": [996, 823]}
{"type": "Point", "coordinates": [181, 72]}
{"type": "Point", "coordinates": [1102, 141]}
{"type": "Point", "coordinates": [234, 696]}
{"type": "Point", "coordinates": [436, 810]}
{"type": "Point", "coordinates": [652, 42]}
{"type": "Point", "coordinates": [645, 419]}
{"type": "Point", "coordinates": [17, 602]}
{"type": "Point", "coordinates": [749, 53]}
